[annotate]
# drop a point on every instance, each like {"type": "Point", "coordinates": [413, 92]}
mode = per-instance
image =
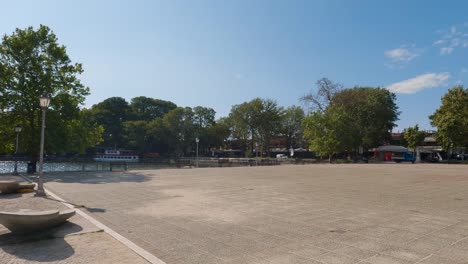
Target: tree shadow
{"type": "Point", "coordinates": [95, 210]}
{"type": "Point", "coordinates": [41, 246]}
{"type": "Point", "coordinates": [96, 177]}
{"type": "Point", "coordinates": [10, 195]}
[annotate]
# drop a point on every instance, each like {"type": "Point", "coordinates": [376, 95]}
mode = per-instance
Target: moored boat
{"type": "Point", "coordinates": [115, 155]}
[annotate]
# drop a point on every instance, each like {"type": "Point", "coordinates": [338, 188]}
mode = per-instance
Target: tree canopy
{"type": "Point", "coordinates": [32, 62]}
{"type": "Point", "coordinates": [414, 137]}
{"type": "Point", "coordinates": [451, 119]}
{"type": "Point", "coordinates": [353, 118]}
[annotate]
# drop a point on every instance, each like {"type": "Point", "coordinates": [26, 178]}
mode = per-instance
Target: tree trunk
{"type": "Point", "coordinates": [330, 158]}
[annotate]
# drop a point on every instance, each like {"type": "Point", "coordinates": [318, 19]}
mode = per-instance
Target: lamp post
{"type": "Point", "coordinates": [17, 130]}
{"type": "Point", "coordinates": [197, 140]}
{"type": "Point", "coordinates": [44, 101]}
{"type": "Point", "coordinates": [256, 153]}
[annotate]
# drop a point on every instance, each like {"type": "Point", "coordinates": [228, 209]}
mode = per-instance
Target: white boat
{"type": "Point", "coordinates": [114, 155]}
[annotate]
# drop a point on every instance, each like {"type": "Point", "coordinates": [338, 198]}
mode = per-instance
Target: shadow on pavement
{"type": "Point", "coordinates": [96, 177]}
{"type": "Point", "coordinates": [95, 210]}
{"type": "Point", "coordinates": [10, 196]}
{"type": "Point", "coordinates": [44, 246]}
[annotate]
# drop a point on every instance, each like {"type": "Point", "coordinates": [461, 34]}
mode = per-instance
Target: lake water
{"type": "Point", "coordinates": [7, 167]}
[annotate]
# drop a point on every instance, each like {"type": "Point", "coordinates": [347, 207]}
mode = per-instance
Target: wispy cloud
{"type": "Point", "coordinates": [420, 82]}
{"type": "Point", "coordinates": [464, 70]}
{"type": "Point", "coordinates": [455, 37]}
{"type": "Point", "coordinates": [402, 55]}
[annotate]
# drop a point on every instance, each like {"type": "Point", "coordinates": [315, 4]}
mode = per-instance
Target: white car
{"type": "Point", "coordinates": [281, 156]}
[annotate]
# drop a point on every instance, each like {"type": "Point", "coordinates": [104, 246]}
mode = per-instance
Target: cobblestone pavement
{"type": "Point", "coordinates": [77, 241]}
{"type": "Point", "coordinates": [363, 213]}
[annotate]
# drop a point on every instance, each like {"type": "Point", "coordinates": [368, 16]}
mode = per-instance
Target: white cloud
{"type": "Point", "coordinates": [418, 83]}
{"type": "Point", "coordinates": [401, 54]}
{"type": "Point", "coordinates": [464, 70]}
{"type": "Point", "coordinates": [456, 36]}
{"type": "Point", "coordinates": [446, 50]}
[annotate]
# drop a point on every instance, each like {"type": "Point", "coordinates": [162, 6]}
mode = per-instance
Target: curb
{"type": "Point", "coordinates": [129, 244]}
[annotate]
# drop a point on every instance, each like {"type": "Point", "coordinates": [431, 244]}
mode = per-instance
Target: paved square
{"type": "Point", "coordinates": [360, 213]}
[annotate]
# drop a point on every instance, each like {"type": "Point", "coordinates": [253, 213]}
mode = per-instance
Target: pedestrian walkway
{"type": "Point", "coordinates": [77, 241]}
{"type": "Point", "coordinates": [314, 214]}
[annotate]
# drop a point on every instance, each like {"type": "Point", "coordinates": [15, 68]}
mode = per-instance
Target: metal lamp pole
{"type": "Point", "coordinates": [256, 153]}
{"type": "Point", "coordinates": [17, 130]}
{"type": "Point", "coordinates": [44, 101]}
{"type": "Point", "coordinates": [197, 140]}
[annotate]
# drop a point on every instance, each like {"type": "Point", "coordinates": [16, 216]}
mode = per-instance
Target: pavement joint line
{"type": "Point", "coordinates": [135, 248]}
{"type": "Point", "coordinates": [129, 244]}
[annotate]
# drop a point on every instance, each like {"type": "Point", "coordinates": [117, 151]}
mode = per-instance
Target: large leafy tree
{"type": "Point", "coordinates": [32, 62]}
{"type": "Point", "coordinates": [292, 125]}
{"type": "Point", "coordinates": [146, 108]}
{"type": "Point", "coordinates": [414, 137]}
{"type": "Point", "coordinates": [111, 114]}
{"type": "Point", "coordinates": [270, 122]}
{"type": "Point", "coordinates": [345, 119]}
{"type": "Point", "coordinates": [243, 121]}
{"type": "Point", "coordinates": [179, 130]}
{"type": "Point", "coordinates": [328, 132]}
{"type": "Point", "coordinates": [451, 119]}
{"type": "Point", "coordinates": [255, 121]}
{"type": "Point", "coordinates": [204, 121]}
{"type": "Point", "coordinates": [373, 111]}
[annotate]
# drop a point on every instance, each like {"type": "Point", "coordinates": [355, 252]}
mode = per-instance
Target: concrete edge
{"type": "Point", "coordinates": [129, 244]}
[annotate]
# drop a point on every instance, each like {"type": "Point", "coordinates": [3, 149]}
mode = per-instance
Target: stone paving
{"type": "Point", "coordinates": [362, 213]}
{"type": "Point", "coordinates": [75, 242]}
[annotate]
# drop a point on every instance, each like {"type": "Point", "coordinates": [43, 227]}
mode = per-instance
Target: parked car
{"type": "Point", "coordinates": [281, 156]}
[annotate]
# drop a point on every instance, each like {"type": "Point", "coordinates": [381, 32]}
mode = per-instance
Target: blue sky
{"type": "Point", "coordinates": [221, 53]}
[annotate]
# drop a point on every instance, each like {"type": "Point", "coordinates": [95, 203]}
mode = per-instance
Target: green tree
{"type": "Point", "coordinates": [31, 63]}
{"type": "Point", "coordinates": [243, 121]}
{"type": "Point", "coordinates": [270, 122]}
{"type": "Point", "coordinates": [146, 109]}
{"type": "Point", "coordinates": [451, 119]}
{"type": "Point", "coordinates": [159, 138]}
{"type": "Point", "coordinates": [328, 132]}
{"type": "Point", "coordinates": [136, 135]}
{"type": "Point", "coordinates": [292, 125]}
{"type": "Point", "coordinates": [111, 114]}
{"type": "Point", "coordinates": [179, 130]}
{"type": "Point", "coordinates": [414, 137]}
{"type": "Point", "coordinates": [219, 133]}
{"type": "Point", "coordinates": [373, 111]}
{"type": "Point", "coordinates": [204, 121]}
{"type": "Point", "coordinates": [255, 121]}
{"type": "Point", "coordinates": [84, 133]}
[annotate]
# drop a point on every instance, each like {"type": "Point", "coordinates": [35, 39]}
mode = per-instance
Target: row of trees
{"type": "Point", "coordinates": [150, 125]}
{"type": "Point", "coordinates": [338, 119]}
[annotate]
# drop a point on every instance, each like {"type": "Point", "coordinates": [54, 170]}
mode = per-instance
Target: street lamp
{"type": "Point", "coordinates": [17, 130]}
{"type": "Point", "coordinates": [44, 101]}
{"type": "Point", "coordinates": [256, 153]}
{"type": "Point", "coordinates": [197, 140]}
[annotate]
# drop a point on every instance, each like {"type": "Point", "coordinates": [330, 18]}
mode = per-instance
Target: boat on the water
{"type": "Point", "coordinates": [117, 155]}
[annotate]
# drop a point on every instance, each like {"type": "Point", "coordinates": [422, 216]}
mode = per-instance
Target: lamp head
{"type": "Point", "coordinates": [44, 100]}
